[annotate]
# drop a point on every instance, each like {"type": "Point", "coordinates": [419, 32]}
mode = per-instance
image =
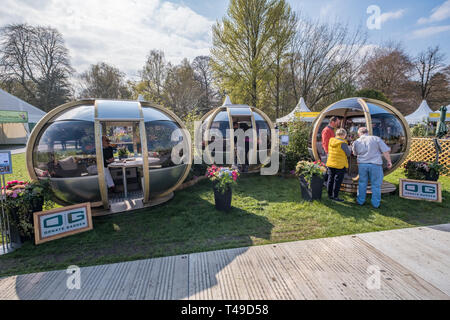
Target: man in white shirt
{"type": "Point", "coordinates": [369, 151]}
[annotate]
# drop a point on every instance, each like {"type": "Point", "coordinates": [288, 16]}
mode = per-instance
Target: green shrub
{"type": "Point", "coordinates": [373, 94]}
{"type": "Point", "coordinates": [420, 130]}
{"type": "Point", "coordinates": [297, 149]}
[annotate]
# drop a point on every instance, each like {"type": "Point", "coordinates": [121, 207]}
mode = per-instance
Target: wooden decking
{"type": "Point", "coordinates": [412, 264]}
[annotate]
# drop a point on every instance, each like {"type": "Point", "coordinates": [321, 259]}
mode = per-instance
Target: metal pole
{"type": "Point", "coordinates": [2, 219]}
{"type": "Point", "coordinates": [7, 217]}
{"type": "Point", "coordinates": [438, 148]}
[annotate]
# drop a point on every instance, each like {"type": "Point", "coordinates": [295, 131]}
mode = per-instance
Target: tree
{"type": "Point", "coordinates": [181, 92]}
{"type": "Point", "coordinates": [241, 48]}
{"type": "Point", "coordinates": [389, 70]}
{"type": "Point", "coordinates": [283, 33]}
{"type": "Point", "coordinates": [372, 94]}
{"type": "Point", "coordinates": [427, 64]}
{"type": "Point", "coordinates": [104, 81]}
{"type": "Point", "coordinates": [325, 59]}
{"type": "Point", "coordinates": [35, 65]}
{"type": "Point", "coordinates": [204, 76]}
{"type": "Point", "coordinates": [440, 89]}
{"type": "Point", "coordinates": [153, 76]}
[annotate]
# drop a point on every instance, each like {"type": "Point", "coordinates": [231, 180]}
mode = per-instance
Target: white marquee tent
{"type": "Point", "coordinates": [17, 133]}
{"type": "Point", "coordinates": [420, 115]}
{"type": "Point", "coordinates": [447, 118]}
{"type": "Point", "coordinates": [300, 107]}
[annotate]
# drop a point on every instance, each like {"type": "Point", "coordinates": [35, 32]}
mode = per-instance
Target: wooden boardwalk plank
{"type": "Point", "coordinates": [412, 263]}
{"type": "Point", "coordinates": [425, 251]}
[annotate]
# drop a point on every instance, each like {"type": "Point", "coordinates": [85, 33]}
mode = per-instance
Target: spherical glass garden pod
{"type": "Point", "coordinates": [68, 143]}
{"type": "Point", "coordinates": [380, 118]}
{"type": "Point", "coordinates": [237, 145]}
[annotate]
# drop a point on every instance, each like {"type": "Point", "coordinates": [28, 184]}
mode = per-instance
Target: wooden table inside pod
{"type": "Point", "coordinates": [132, 163]}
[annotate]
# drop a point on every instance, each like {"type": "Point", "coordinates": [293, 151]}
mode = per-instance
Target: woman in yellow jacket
{"type": "Point", "coordinates": [337, 163]}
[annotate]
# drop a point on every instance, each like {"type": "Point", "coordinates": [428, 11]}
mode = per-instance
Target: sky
{"type": "Point", "coordinates": [122, 32]}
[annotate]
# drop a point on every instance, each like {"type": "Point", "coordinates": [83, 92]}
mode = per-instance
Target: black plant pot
{"type": "Point", "coordinates": [15, 233]}
{"type": "Point", "coordinates": [223, 200]}
{"type": "Point", "coordinates": [315, 191]}
{"type": "Point", "coordinates": [432, 176]}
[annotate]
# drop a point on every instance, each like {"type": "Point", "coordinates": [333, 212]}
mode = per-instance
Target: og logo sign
{"type": "Point", "coordinates": [62, 222]}
{"type": "Point", "coordinates": [420, 190]}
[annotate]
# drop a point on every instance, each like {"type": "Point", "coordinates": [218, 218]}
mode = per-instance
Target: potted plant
{"type": "Point", "coordinates": [22, 200]}
{"type": "Point", "coordinates": [223, 179]}
{"type": "Point", "coordinates": [310, 175]}
{"type": "Point", "coordinates": [421, 170]}
{"type": "Point", "coordinates": [123, 153]}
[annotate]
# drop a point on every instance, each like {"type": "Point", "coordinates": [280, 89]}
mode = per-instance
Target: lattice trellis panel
{"type": "Point", "coordinates": [422, 149]}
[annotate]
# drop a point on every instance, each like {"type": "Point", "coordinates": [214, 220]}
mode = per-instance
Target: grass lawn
{"type": "Point", "coordinates": [20, 171]}
{"type": "Point", "coordinates": [266, 209]}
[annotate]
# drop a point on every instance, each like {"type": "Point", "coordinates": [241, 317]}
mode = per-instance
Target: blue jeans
{"type": "Point", "coordinates": [375, 174]}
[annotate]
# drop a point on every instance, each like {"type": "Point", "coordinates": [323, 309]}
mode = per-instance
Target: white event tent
{"type": "Point", "coordinates": [420, 115]}
{"type": "Point", "coordinates": [300, 107]}
{"type": "Point", "coordinates": [13, 132]}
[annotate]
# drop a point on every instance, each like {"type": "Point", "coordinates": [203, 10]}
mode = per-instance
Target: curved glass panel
{"type": "Point", "coordinates": [346, 106]}
{"type": "Point", "coordinates": [389, 128]}
{"type": "Point", "coordinates": [241, 119]}
{"type": "Point", "coordinates": [350, 123]}
{"type": "Point", "coordinates": [374, 109]}
{"type": "Point", "coordinates": [118, 110]}
{"type": "Point", "coordinates": [151, 114]}
{"type": "Point", "coordinates": [82, 113]}
{"type": "Point", "coordinates": [160, 142]}
{"type": "Point", "coordinates": [65, 149]}
{"type": "Point", "coordinates": [222, 123]}
{"type": "Point", "coordinates": [262, 125]}
{"type": "Point", "coordinates": [352, 118]}
{"type": "Point", "coordinates": [240, 111]}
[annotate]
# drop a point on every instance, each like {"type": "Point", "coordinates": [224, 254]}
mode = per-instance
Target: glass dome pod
{"type": "Point", "coordinates": [225, 121]}
{"type": "Point", "coordinates": [380, 118]}
{"type": "Point", "coordinates": [66, 146]}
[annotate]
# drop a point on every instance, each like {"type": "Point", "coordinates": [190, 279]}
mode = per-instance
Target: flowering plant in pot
{"type": "Point", "coordinates": [311, 175]}
{"type": "Point", "coordinates": [223, 179]}
{"type": "Point", "coordinates": [22, 200]}
{"type": "Point", "coordinates": [421, 170]}
{"type": "Point", "coordinates": [122, 152]}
